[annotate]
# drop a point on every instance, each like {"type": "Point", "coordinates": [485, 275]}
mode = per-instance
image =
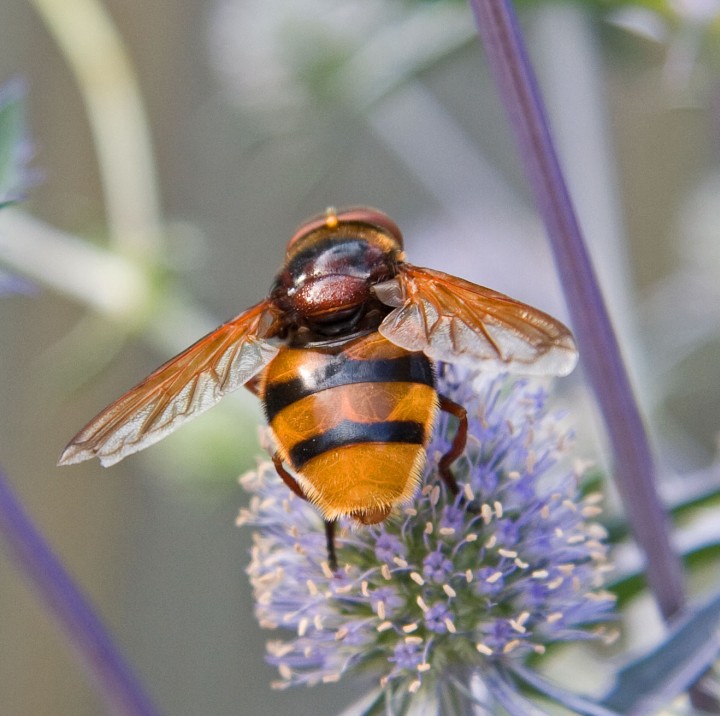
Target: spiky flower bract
{"type": "Point", "coordinates": [473, 581]}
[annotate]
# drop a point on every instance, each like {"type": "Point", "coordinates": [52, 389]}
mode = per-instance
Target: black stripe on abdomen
{"type": "Point", "coordinates": [350, 433]}
{"type": "Point", "coordinates": [412, 368]}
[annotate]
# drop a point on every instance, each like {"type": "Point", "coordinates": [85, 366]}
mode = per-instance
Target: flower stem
{"type": "Point", "coordinates": [94, 51]}
{"type": "Point", "coordinates": [634, 468]}
{"type": "Point", "coordinates": [118, 685]}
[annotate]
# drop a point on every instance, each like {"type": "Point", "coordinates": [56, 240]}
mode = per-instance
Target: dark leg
{"type": "Point", "coordinates": [253, 385]}
{"type": "Point", "coordinates": [458, 443]}
{"type": "Point", "coordinates": [330, 540]}
{"type": "Point", "coordinates": [286, 477]}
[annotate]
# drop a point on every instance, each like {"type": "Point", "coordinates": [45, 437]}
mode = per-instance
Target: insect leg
{"type": "Point", "coordinates": [458, 443]}
{"type": "Point", "coordinates": [330, 540]}
{"type": "Point", "coordinates": [253, 385]}
{"type": "Point", "coordinates": [286, 477]}
{"type": "Point", "coordinates": [292, 483]}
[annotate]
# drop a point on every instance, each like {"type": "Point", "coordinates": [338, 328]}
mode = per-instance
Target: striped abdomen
{"type": "Point", "coordinates": [353, 422]}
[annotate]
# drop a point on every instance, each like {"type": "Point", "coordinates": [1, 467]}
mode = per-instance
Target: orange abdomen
{"type": "Point", "coordinates": [353, 422]}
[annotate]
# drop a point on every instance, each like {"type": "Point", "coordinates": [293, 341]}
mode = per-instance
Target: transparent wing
{"type": "Point", "coordinates": [453, 320]}
{"type": "Point", "coordinates": [178, 390]}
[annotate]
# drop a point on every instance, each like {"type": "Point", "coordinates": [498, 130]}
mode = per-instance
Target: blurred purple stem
{"type": "Point", "coordinates": [633, 462]}
{"type": "Point", "coordinates": [118, 686]}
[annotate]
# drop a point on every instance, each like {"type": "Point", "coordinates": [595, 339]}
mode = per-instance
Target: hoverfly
{"type": "Point", "coordinates": [342, 355]}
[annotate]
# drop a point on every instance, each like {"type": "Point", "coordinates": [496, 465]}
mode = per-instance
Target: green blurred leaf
{"type": "Point", "coordinates": [662, 7]}
{"type": "Point", "coordinates": [691, 646]}
{"type": "Point", "coordinates": [698, 541]}
{"type": "Point", "coordinates": [14, 143]}
{"type": "Point", "coordinates": [681, 495]}
{"type": "Point", "coordinates": [683, 492]}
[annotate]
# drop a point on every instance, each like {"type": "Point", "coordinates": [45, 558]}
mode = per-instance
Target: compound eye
{"type": "Point", "coordinates": [332, 219]}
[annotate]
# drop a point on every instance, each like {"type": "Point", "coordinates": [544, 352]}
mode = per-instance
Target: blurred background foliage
{"type": "Point", "coordinates": [176, 147]}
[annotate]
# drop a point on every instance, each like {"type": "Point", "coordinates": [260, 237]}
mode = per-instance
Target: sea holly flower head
{"type": "Point", "coordinates": [470, 581]}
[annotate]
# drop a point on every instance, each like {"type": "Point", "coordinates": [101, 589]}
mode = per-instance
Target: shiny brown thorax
{"type": "Point", "coordinates": [351, 412]}
{"type": "Point", "coordinates": [325, 286]}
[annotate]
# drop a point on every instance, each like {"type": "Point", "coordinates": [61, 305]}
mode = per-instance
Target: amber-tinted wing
{"type": "Point", "coordinates": [453, 320]}
{"type": "Point", "coordinates": [182, 388]}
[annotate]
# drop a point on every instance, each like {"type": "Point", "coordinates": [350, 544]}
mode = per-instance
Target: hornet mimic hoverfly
{"type": "Point", "coordinates": [342, 355]}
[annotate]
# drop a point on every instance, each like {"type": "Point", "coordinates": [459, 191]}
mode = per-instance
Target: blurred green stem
{"type": "Point", "coordinates": [94, 51]}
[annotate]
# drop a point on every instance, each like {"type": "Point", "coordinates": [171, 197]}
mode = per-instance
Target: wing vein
{"type": "Point", "coordinates": [180, 389]}
{"type": "Point", "coordinates": [453, 320]}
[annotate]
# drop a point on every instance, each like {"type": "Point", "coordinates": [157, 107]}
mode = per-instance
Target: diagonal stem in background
{"type": "Point", "coordinates": [118, 686]}
{"type": "Point", "coordinates": [633, 461]}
